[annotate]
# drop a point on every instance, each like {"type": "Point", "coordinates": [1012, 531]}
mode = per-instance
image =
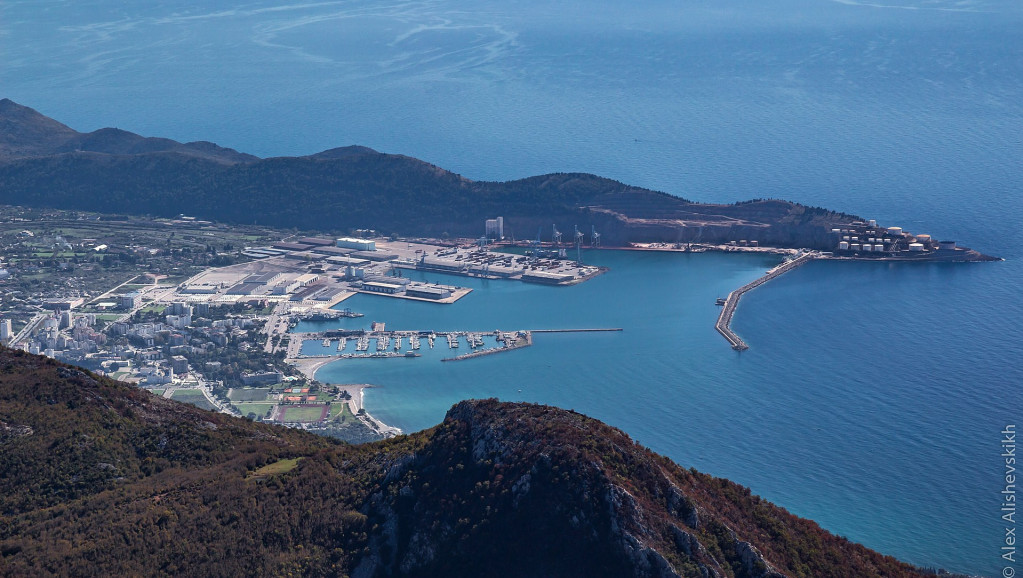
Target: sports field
{"type": "Point", "coordinates": [249, 394]}
{"type": "Point", "coordinates": [303, 413]}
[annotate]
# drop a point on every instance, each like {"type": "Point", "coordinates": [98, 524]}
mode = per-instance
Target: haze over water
{"type": "Point", "coordinates": [872, 395]}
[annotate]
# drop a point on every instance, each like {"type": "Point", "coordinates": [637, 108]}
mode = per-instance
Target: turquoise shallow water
{"type": "Point", "coordinates": [872, 395]}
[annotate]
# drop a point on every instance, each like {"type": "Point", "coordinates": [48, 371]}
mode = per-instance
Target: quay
{"type": "Point", "coordinates": [724, 322]}
{"type": "Point", "coordinates": [576, 330]}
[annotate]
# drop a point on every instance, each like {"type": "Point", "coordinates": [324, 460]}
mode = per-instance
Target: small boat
{"type": "Point", "coordinates": [720, 301]}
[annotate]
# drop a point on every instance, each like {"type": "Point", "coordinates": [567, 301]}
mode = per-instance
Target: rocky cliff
{"type": "Point", "coordinates": [100, 479]}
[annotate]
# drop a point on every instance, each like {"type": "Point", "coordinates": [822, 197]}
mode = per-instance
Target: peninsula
{"type": "Point", "coordinates": [44, 163]}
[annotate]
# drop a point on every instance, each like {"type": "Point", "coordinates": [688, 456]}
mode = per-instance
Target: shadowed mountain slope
{"type": "Point", "coordinates": [98, 479]}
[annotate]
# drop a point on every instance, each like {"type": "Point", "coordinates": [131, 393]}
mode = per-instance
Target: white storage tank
{"type": "Point", "coordinates": [854, 246]}
{"type": "Point", "coordinates": [916, 246]}
{"type": "Point", "coordinates": [873, 223]}
{"type": "Point", "coordinates": [836, 231]}
{"type": "Point", "coordinates": [947, 245]}
{"type": "Point", "coordinates": [922, 238]}
{"type": "Point", "coordinates": [845, 237]}
{"type": "Point", "coordinates": [879, 247]}
{"type": "Point", "coordinates": [843, 246]}
{"type": "Point", "coordinates": [867, 247]}
{"type": "Point", "coordinates": [895, 231]}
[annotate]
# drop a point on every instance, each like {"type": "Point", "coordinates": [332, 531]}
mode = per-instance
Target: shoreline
{"type": "Point", "coordinates": [357, 402]}
{"type": "Point", "coordinates": [310, 365]}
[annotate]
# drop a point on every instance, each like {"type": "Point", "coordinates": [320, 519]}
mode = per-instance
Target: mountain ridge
{"type": "Point", "coordinates": [44, 163]}
{"type": "Point", "coordinates": [27, 133]}
{"type": "Point", "coordinates": [105, 479]}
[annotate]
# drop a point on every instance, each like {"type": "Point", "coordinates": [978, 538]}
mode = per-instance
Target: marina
{"type": "Point", "coordinates": [389, 344]}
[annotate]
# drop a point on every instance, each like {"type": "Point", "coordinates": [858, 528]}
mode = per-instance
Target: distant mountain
{"type": "Point", "coordinates": [24, 133]}
{"type": "Point", "coordinates": [43, 163]}
{"type": "Point", "coordinates": [98, 478]}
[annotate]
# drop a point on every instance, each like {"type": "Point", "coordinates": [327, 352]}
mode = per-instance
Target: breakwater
{"type": "Point", "coordinates": [724, 322]}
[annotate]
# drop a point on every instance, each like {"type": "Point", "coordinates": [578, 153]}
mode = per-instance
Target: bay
{"type": "Point", "coordinates": [872, 395]}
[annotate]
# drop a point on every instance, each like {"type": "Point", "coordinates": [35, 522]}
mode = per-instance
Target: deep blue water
{"type": "Point", "coordinates": [872, 396]}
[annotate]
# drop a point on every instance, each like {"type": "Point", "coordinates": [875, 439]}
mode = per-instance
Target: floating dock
{"type": "Point", "coordinates": [725, 318]}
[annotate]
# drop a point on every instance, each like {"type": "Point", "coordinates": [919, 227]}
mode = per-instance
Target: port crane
{"type": "Point", "coordinates": [594, 236]}
{"type": "Point", "coordinates": [536, 246]}
{"type": "Point", "coordinates": [578, 245]}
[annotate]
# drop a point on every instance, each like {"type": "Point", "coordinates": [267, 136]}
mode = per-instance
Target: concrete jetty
{"type": "Point", "coordinates": [576, 330]}
{"type": "Point", "coordinates": [724, 322]}
{"type": "Point", "coordinates": [524, 339]}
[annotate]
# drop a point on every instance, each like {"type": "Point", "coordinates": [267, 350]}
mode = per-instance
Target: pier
{"type": "Point", "coordinates": [724, 322]}
{"type": "Point", "coordinates": [576, 330]}
{"type": "Point", "coordinates": [522, 339]}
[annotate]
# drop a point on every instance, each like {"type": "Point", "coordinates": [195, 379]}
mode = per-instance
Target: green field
{"type": "Point", "coordinates": [303, 414]}
{"type": "Point", "coordinates": [340, 412]}
{"type": "Point", "coordinates": [157, 392]}
{"type": "Point", "coordinates": [278, 467]}
{"type": "Point", "coordinates": [249, 394]}
{"type": "Point", "coordinates": [192, 396]}
{"type": "Point", "coordinates": [258, 408]}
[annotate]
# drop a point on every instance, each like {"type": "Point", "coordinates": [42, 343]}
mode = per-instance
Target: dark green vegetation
{"type": "Point", "coordinates": [46, 164]}
{"type": "Point", "coordinates": [100, 479]}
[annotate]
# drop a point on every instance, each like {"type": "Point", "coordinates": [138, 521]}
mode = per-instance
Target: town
{"type": "Point", "coordinates": [202, 313]}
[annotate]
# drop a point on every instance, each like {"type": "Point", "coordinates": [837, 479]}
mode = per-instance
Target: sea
{"type": "Point", "coordinates": [873, 395]}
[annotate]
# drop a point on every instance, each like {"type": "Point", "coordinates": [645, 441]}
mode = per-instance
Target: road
{"type": "Point", "coordinates": [277, 325]}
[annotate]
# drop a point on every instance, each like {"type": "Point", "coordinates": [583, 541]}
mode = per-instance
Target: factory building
{"type": "Point", "coordinates": [378, 287]}
{"type": "Point", "coordinates": [332, 251]}
{"type": "Point", "coordinates": [357, 244]}
{"type": "Point", "coordinates": [284, 246]}
{"type": "Point", "coordinates": [374, 256]}
{"type": "Point", "coordinates": [428, 292]}
{"type": "Point", "coordinates": [315, 241]}
{"type": "Point", "coordinates": [347, 261]}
